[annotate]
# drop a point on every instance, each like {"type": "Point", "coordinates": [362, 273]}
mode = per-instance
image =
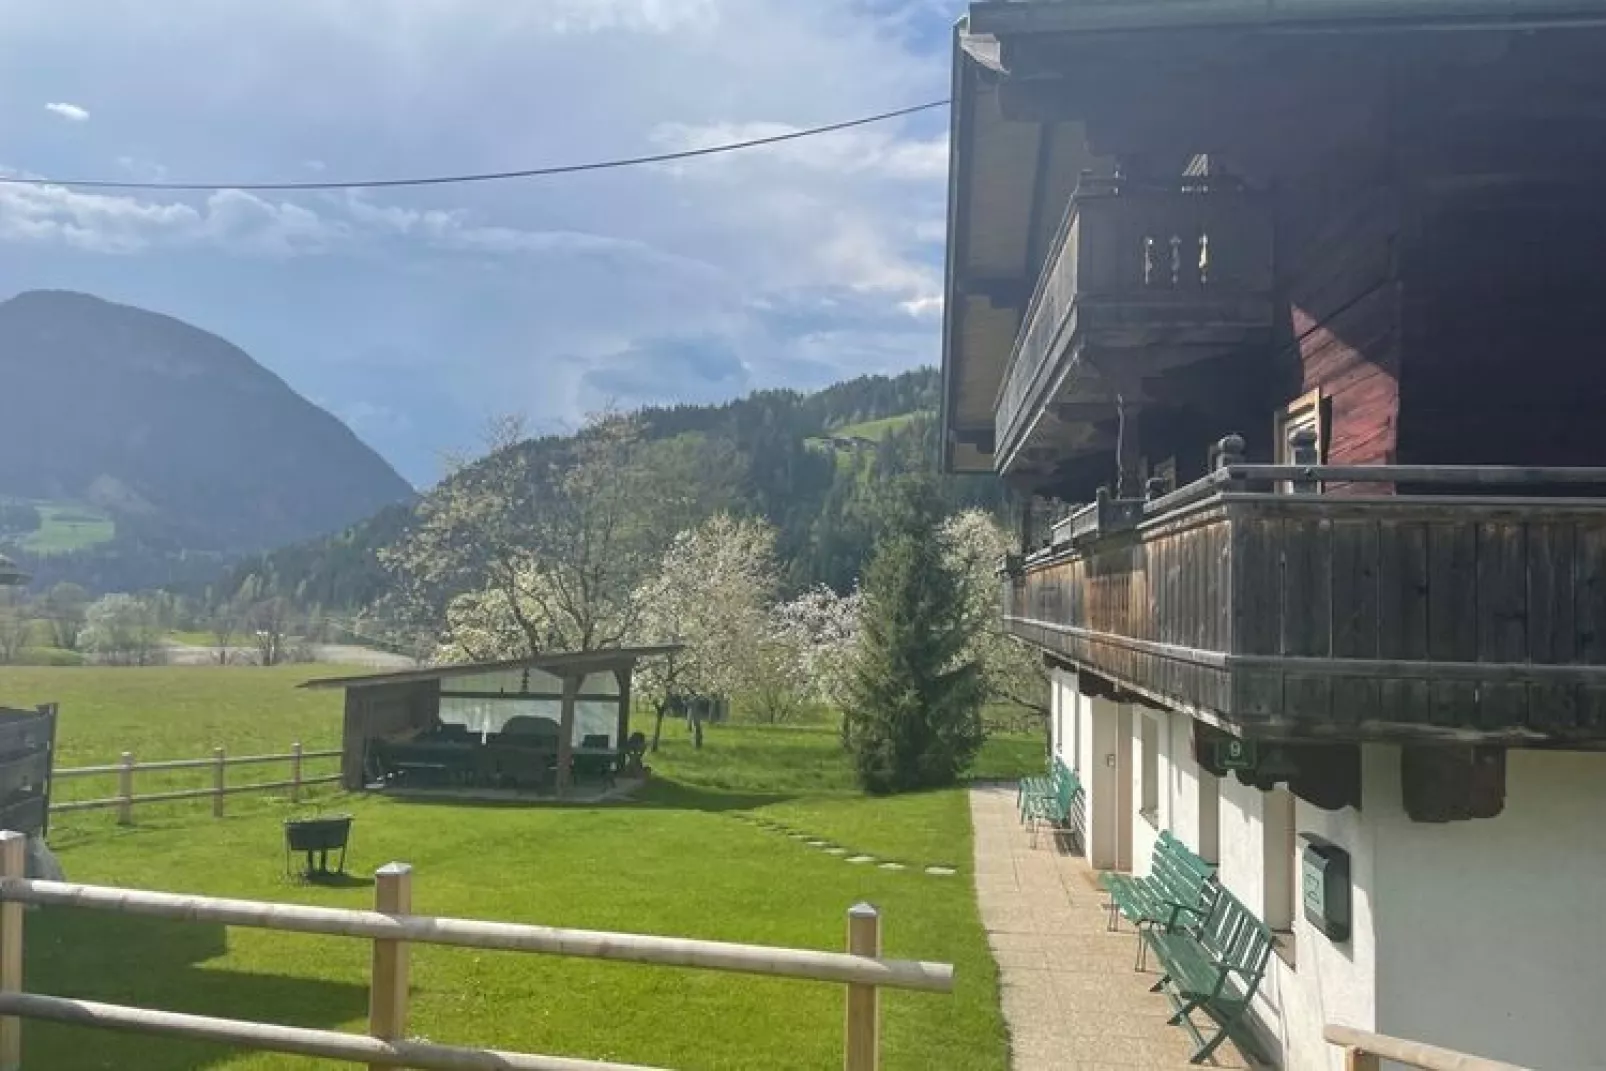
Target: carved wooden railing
{"type": "Point", "coordinates": [1149, 256]}
{"type": "Point", "coordinates": [1417, 615]}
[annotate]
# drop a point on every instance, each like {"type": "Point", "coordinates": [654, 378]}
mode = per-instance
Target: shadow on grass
{"type": "Point", "coordinates": [660, 792]}
{"type": "Point", "coordinates": [668, 794]}
{"type": "Point", "coordinates": [158, 963]}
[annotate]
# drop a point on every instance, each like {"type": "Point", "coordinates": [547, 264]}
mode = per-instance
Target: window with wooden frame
{"type": "Point", "coordinates": [1307, 411]}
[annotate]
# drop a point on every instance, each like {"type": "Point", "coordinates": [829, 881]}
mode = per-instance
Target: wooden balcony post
{"type": "Point", "coordinates": [219, 776]}
{"type": "Point", "coordinates": [387, 987]}
{"type": "Point", "coordinates": [295, 772]}
{"type": "Point", "coordinates": [13, 864]}
{"type": "Point", "coordinates": [1302, 450]}
{"type": "Point", "coordinates": [1230, 452]}
{"type": "Point", "coordinates": [125, 790]}
{"type": "Point", "coordinates": [862, 1051]}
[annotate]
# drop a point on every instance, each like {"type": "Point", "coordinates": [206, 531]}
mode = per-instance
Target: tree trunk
{"type": "Point", "coordinates": [659, 709]}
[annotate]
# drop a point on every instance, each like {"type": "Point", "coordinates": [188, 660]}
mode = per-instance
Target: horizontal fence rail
{"type": "Point", "coordinates": [296, 1041]}
{"type": "Point", "coordinates": [126, 769]}
{"type": "Point", "coordinates": [470, 933]}
{"type": "Point", "coordinates": [1364, 1051]}
{"type": "Point", "coordinates": [393, 929]}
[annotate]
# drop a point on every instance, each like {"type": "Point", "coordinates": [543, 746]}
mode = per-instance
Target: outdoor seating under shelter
{"type": "Point", "coordinates": [550, 725]}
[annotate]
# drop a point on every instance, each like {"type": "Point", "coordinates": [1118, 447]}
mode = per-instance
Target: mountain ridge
{"type": "Point", "coordinates": [181, 435]}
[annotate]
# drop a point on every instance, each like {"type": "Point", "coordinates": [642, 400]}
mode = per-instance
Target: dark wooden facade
{"type": "Point", "coordinates": [1342, 617]}
{"type": "Point", "coordinates": [27, 754]}
{"type": "Point", "coordinates": [1409, 280]}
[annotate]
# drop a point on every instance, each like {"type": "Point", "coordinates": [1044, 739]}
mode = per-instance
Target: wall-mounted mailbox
{"type": "Point", "coordinates": [1324, 873]}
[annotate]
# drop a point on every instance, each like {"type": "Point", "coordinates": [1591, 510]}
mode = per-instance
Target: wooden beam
{"type": "Point", "coordinates": [1002, 292]}
{"type": "Point", "coordinates": [983, 439]}
{"type": "Point", "coordinates": [571, 687]}
{"type": "Point", "coordinates": [387, 986]}
{"type": "Point", "coordinates": [623, 676]}
{"type": "Point", "coordinates": [13, 864]}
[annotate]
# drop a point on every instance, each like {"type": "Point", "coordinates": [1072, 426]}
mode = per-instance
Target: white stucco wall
{"type": "Point", "coordinates": [1481, 936]}
{"type": "Point", "coordinates": [1189, 803]}
{"type": "Point", "coordinates": [1490, 937]}
{"type": "Point", "coordinates": [1104, 736]}
{"type": "Point", "coordinates": [1145, 828]}
{"type": "Point", "coordinates": [1325, 982]}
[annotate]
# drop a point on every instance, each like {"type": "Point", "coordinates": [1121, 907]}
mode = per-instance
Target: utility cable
{"type": "Point", "coordinates": [486, 176]}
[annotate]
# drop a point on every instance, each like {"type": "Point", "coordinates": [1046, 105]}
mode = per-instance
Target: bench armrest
{"type": "Point", "coordinates": [1177, 909]}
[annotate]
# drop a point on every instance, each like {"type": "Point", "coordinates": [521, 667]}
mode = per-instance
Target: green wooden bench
{"type": "Point", "coordinates": [1180, 888]}
{"type": "Point", "coordinates": [1054, 809]}
{"type": "Point", "coordinates": [1036, 791]}
{"type": "Point", "coordinates": [1032, 787]}
{"type": "Point", "coordinates": [1213, 965]}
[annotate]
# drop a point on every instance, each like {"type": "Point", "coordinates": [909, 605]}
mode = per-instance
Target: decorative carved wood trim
{"type": "Point", "coordinates": [1453, 784]}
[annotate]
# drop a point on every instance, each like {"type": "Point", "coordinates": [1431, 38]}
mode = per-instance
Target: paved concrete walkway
{"type": "Point", "coordinates": [1071, 997]}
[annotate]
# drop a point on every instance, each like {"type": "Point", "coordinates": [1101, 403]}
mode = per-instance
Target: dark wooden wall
{"type": "Point", "coordinates": [1338, 267]}
{"type": "Point", "coordinates": [1505, 357]}
{"type": "Point", "coordinates": [382, 711]}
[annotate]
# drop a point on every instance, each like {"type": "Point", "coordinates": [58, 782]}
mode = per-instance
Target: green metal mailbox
{"type": "Point", "coordinates": [1324, 873]}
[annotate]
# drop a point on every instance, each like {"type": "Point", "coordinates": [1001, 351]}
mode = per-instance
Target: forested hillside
{"type": "Point", "coordinates": [774, 454]}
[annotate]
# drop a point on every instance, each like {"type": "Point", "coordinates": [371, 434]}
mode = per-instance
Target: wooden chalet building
{"type": "Point", "coordinates": [1286, 318]}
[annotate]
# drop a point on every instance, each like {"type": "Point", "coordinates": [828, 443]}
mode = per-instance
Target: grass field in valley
{"type": "Point", "coordinates": [67, 526]}
{"type": "Point", "coordinates": [689, 858]}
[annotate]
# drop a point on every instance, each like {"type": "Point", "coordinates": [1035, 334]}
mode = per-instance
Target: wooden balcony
{"type": "Point", "coordinates": [1140, 280]}
{"type": "Point", "coordinates": [1470, 617]}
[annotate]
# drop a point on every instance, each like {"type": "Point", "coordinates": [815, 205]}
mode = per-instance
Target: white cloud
{"type": "Point", "coordinates": [122, 224]}
{"type": "Point", "coordinates": [805, 259]}
{"type": "Point", "coordinates": [70, 112]}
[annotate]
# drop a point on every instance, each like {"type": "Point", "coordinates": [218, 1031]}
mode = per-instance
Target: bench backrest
{"type": "Point", "coordinates": [1236, 938]}
{"type": "Point", "coordinates": [1067, 788]}
{"type": "Point", "coordinates": [1183, 876]}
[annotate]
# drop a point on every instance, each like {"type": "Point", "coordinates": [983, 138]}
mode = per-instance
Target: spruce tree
{"type": "Point", "coordinates": [914, 710]}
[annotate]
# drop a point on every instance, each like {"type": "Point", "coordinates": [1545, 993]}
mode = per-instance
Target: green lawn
{"type": "Point", "coordinates": [67, 526]}
{"type": "Point", "coordinates": [688, 858]}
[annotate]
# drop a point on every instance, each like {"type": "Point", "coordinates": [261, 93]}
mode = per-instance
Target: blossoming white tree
{"type": "Point", "coordinates": [823, 627]}
{"type": "Point", "coordinates": [712, 593]}
{"type": "Point", "coordinates": [974, 543]}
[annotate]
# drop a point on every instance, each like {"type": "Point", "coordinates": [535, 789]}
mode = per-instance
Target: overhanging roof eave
{"type": "Point", "coordinates": [1007, 18]}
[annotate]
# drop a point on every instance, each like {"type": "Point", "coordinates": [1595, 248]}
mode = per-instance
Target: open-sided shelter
{"type": "Point", "coordinates": [514, 722]}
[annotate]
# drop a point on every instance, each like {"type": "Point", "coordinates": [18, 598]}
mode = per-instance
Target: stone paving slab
{"type": "Point", "coordinates": [1071, 998]}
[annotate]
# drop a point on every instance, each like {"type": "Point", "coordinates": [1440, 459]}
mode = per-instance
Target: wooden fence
{"type": "Point", "coordinates": [1365, 1051]}
{"type": "Point", "coordinates": [393, 928]}
{"type": "Point", "coordinates": [126, 768]}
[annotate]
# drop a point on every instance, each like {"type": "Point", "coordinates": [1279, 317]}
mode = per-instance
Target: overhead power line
{"type": "Point", "coordinates": [484, 176]}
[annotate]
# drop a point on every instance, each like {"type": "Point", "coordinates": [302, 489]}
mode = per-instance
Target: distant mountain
{"type": "Point", "coordinates": [815, 465]}
{"type": "Point", "coordinates": [182, 439]}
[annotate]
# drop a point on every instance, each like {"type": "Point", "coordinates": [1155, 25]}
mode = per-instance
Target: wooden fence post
{"type": "Point", "coordinates": [295, 772]}
{"type": "Point", "coordinates": [862, 1049]}
{"type": "Point", "coordinates": [13, 864]}
{"type": "Point", "coordinates": [1360, 1060]}
{"type": "Point", "coordinates": [125, 791]}
{"type": "Point", "coordinates": [387, 988]}
{"type": "Point", "coordinates": [219, 772]}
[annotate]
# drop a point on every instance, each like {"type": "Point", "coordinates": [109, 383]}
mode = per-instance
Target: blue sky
{"type": "Point", "coordinates": [416, 314]}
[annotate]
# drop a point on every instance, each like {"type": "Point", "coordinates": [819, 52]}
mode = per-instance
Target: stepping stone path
{"type": "Point", "coordinates": [845, 854]}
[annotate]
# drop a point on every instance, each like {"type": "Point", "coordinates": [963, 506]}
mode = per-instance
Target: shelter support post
{"type": "Point", "coordinates": [571, 687]}
{"type": "Point", "coordinates": [623, 677]}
